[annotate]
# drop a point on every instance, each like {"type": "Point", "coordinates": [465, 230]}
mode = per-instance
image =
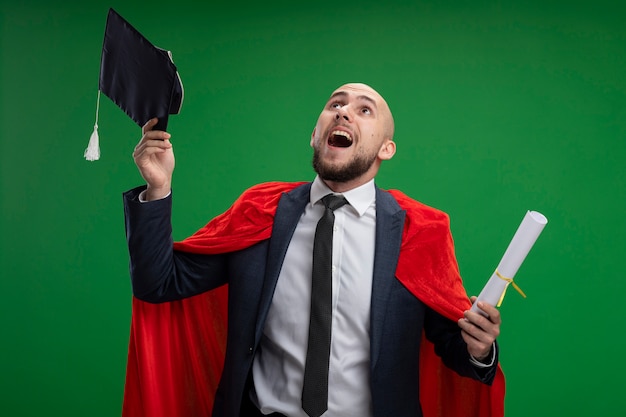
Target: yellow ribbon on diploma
{"type": "Point", "coordinates": [509, 281]}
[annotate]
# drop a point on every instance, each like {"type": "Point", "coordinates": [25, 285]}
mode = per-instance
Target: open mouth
{"type": "Point", "coordinates": [340, 139]}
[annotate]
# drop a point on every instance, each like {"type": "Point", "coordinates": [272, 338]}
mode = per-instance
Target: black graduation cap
{"type": "Point", "coordinates": [138, 76]}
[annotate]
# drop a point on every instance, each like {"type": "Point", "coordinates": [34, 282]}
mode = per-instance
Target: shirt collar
{"type": "Point", "coordinates": [360, 198]}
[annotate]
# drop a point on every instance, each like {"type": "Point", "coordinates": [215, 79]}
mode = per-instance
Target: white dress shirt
{"type": "Point", "coordinates": [278, 368]}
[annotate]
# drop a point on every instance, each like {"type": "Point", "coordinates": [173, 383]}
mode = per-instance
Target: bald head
{"type": "Point", "coordinates": [381, 104]}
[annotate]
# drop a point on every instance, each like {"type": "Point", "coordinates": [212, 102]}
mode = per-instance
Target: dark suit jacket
{"type": "Point", "coordinates": [398, 318]}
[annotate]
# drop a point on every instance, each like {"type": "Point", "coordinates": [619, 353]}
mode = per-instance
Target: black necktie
{"type": "Point", "coordinates": [315, 389]}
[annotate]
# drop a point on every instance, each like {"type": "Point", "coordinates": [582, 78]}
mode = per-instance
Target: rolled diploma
{"type": "Point", "coordinates": [523, 240]}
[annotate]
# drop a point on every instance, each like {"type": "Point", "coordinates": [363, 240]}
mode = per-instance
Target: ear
{"type": "Point", "coordinates": [313, 136]}
{"type": "Point", "coordinates": [387, 150]}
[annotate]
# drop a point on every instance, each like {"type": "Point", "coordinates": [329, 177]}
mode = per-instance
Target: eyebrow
{"type": "Point", "coordinates": [360, 97]}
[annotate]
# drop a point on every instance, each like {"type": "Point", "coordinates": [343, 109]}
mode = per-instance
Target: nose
{"type": "Point", "coordinates": [342, 112]}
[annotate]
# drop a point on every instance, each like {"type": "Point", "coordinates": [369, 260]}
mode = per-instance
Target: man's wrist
{"type": "Point", "coordinates": [151, 194]}
{"type": "Point", "coordinates": [487, 361]}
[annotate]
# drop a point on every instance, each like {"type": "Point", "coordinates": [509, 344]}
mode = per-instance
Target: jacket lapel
{"type": "Point", "coordinates": [290, 207]}
{"type": "Point", "coordinates": [389, 227]}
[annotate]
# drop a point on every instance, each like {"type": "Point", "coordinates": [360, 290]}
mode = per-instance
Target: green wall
{"type": "Point", "coordinates": [500, 107]}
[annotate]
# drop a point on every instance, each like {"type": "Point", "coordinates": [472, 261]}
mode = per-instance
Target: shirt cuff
{"type": "Point", "coordinates": [480, 364]}
{"type": "Point", "coordinates": [142, 196]}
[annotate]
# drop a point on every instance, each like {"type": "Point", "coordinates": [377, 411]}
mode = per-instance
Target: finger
{"type": "Point", "coordinates": [487, 324]}
{"type": "Point", "coordinates": [470, 328]}
{"type": "Point", "coordinates": [485, 334]}
{"type": "Point", "coordinates": [472, 341]}
{"type": "Point", "coordinates": [149, 125]}
{"type": "Point", "coordinates": [145, 157]}
{"type": "Point", "coordinates": [475, 347]}
{"type": "Point", "coordinates": [483, 329]}
{"type": "Point", "coordinates": [492, 312]}
{"type": "Point", "coordinates": [156, 138]}
{"type": "Point", "coordinates": [471, 334]}
{"type": "Point", "coordinates": [156, 135]}
{"type": "Point", "coordinates": [150, 147]}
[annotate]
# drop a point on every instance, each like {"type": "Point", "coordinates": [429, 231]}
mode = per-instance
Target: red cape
{"type": "Point", "coordinates": [176, 349]}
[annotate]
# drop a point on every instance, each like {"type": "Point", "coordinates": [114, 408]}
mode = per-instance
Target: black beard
{"type": "Point", "coordinates": [358, 166]}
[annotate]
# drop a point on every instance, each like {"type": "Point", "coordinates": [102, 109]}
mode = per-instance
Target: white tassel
{"type": "Point", "coordinates": [92, 153]}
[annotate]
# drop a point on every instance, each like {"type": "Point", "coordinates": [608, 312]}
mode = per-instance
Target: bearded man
{"type": "Point", "coordinates": [387, 288]}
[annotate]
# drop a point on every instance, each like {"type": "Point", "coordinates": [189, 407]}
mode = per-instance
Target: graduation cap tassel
{"type": "Point", "coordinates": [92, 153]}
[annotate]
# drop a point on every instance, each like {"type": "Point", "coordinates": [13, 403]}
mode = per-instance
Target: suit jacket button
{"type": "Point", "coordinates": [250, 350]}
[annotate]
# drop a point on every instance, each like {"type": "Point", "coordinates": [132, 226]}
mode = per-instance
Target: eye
{"type": "Point", "coordinates": [366, 110]}
{"type": "Point", "coordinates": [335, 105]}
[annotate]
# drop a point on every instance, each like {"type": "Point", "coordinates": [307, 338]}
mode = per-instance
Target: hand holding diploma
{"type": "Point", "coordinates": [480, 326]}
{"type": "Point", "coordinates": [480, 330]}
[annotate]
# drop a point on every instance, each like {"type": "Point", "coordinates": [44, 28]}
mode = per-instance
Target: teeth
{"type": "Point", "coordinates": [342, 133]}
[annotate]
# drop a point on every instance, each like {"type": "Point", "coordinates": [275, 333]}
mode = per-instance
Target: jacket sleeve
{"type": "Point", "coordinates": [158, 272]}
{"type": "Point", "coordinates": [450, 346]}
